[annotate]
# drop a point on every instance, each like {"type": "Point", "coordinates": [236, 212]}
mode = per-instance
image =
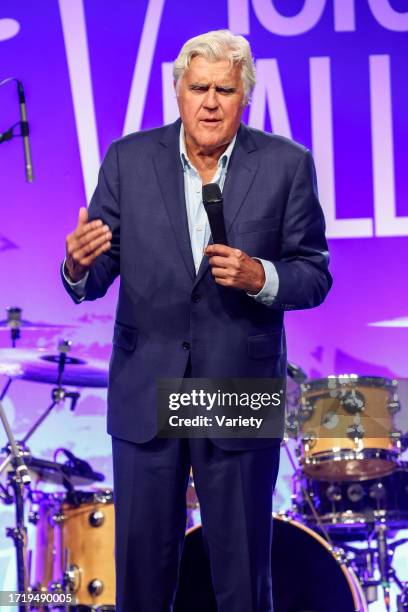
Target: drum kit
{"type": "Point", "coordinates": [331, 551]}
{"type": "Point", "coordinates": [350, 486]}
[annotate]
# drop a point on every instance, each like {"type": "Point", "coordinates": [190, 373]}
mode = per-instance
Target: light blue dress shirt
{"type": "Point", "coordinates": [198, 225]}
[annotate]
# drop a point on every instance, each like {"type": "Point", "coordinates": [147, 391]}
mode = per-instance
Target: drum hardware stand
{"type": "Point", "coordinates": [307, 497]}
{"type": "Point", "coordinates": [68, 578]}
{"type": "Point", "coordinates": [6, 388]}
{"type": "Point", "coordinates": [402, 600]}
{"type": "Point", "coordinates": [382, 557]}
{"type": "Point", "coordinates": [18, 478]}
{"type": "Point", "coordinates": [58, 394]}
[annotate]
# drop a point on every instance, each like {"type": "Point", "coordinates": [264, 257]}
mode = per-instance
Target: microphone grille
{"type": "Point", "coordinates": [212, 193]}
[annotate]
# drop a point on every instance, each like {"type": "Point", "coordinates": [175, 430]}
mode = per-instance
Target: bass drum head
{"type": "Point", "coordinates": [306, 576]}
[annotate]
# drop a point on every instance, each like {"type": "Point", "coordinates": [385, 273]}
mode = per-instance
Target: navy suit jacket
{"type": "Point", "coordinates": [165, 311]}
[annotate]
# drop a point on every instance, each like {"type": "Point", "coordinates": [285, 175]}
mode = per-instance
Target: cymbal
{"type": "Point", "coordinates": [26, 325]}
{"type": "Point", "coordinates": [39, 365]}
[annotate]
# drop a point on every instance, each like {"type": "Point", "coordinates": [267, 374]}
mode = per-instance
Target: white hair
{"type": "Point", "coordinates": [214, 46]}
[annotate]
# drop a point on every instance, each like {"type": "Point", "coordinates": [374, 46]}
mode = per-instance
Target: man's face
{"type": "Point", "coordinates": [210, 97]}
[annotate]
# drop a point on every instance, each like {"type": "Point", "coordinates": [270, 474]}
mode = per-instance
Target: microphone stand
{"type": "Point", "coordinates": [24, 128]}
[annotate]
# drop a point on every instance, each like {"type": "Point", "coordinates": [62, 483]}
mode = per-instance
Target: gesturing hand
{"type": "Point", "coordinates": [234, 268]}
{"type": "Point", "coordinates": [84, 244]}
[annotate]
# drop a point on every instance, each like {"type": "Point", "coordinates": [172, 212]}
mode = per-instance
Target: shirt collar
{"type": "Point", "coordinates": [223, 161]}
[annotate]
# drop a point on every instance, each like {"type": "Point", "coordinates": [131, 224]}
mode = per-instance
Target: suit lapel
{"type": "Point", "coordinates": [171, 180]}
{"type": "Point", "coordinates": [240, 175]}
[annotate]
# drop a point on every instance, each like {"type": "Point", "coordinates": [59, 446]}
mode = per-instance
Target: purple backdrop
{"type": "Point", "coordinates": [331, 74]}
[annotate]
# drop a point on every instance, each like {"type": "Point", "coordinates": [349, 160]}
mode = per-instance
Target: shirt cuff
{"type": "Point", "coordinates": [79, 287]}
{"type": "Point", "coordinates": [269, 291]}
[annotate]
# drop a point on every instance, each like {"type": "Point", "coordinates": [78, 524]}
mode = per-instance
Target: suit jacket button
{"type": "Point", "coordinates": [195, 298]}
{"type": "Point", "coordinates": [186, 346]}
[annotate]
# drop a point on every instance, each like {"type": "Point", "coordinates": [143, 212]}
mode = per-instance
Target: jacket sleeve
{"type": "Point", "coordinates": [105, 205]}
{"type": "Point", "coordinates": [302, 268]}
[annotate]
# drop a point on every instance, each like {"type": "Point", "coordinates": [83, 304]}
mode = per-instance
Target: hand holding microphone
{"type": "Point", "coordinates": [230, 267]}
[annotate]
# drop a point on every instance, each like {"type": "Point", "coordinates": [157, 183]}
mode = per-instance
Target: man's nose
{"type": "Point", "coordinates": [210, 100]}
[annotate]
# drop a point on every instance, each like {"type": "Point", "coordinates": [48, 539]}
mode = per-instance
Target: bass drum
{"type": "Point", "coordinates": [307, 577]}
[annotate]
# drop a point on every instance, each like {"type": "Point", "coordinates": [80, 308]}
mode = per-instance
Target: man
{"type": "Point", "coordinates": [182, 314]}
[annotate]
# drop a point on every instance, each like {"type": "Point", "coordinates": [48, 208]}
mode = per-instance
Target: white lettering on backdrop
{"type": "Point", "coordinates": [268, 97]}
{"type": "Point", "coordinates": [309, 16]}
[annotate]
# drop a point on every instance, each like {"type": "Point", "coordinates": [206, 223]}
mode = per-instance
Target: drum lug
{"type": "Point", "coordinates": [309, 441]}
{"type": "Point", "coordinates": [95, 587]}
{"type": "Point", "coordinates": [96, 518]}
{"type": "Point", "coordinates": [57, 518]}
{"type": "Point", "coordinates": [340, 555]}
{"type": "Point", "coordinates": [394, 406]}
{"type": "Point", "coordinates": [355, 431]}
{"type": "Point", "coordinates": [33, 517]}
{"type": "Point", "coordinates": [69, 578]}
{"type": "Point", "coordinates": [333, 493]}
{"type": "Point", "coordinates": [292, 425]}
{"type": "Point", "coordinates": [355, 492]}
{"type": "Point", "coordinates": [56, 587]}
{"type": "Point", "coordinates": [395, 437]}
{"type": "Point", "coordinates": [306, 410]}
{"type": "Point", "coordinates": [352, 401]}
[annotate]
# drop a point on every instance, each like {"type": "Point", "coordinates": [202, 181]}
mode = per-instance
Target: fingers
{"type": "Point", "coordinates": [221, 262]}
{"type": "Point", "coordinates": [87, 261]}
{"type": "Point", "coordinates": [233, 268]}
{"type": "Point", "coordinates": [225, 272]}
{"type": "Point", "coordinates": [82, 216]}
{"type": "Point", "coordinates": [90, 246]}
{"type": "Point", "coordinates": [86, 242]}
{"type": "Point", "coordinates": [221, 249]}
{"type": "Point", "coordinates": [231, 273]}
{"type": "Point", "coordinates": [82, 230]}
{"type": "Point", "coordinates": [81, 238]}
{"type": "Point", "coordinates": [91, 235]}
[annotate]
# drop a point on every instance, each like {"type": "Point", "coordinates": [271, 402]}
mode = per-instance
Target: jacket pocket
{"type": "Point", "coordinates": [258, 225]}
{"type": "Point", "coordinates": [125, 337]}
{"type": "Point", "coordinates": [265, 345]}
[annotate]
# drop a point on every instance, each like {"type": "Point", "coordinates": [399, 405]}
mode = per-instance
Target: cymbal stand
{"type": "Point", "coordinates": [366, 559]}
{"type": "Point", "coordinates": [384, 562]}
{"type": "Point", "coordinates": [18, 478]}
{"type": "Point", "coordinates": [6, 388]}
{"type": "Point", "coordinates": [58, 394]}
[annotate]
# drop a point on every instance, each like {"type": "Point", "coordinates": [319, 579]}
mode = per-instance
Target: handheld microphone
{"type": "Point", "coordinates": [25, 131]}
{"type": "Point", "coordinates": [212, 200]}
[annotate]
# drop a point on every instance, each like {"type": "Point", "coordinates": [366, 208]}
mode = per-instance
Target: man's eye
{"type": "Point", "coordinates": [198, 88]}
{"type": "Point", "coordinates": [225, 90]}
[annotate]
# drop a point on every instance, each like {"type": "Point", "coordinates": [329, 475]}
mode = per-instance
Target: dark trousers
{"type": "Point", "coordinates": [235, 493]}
